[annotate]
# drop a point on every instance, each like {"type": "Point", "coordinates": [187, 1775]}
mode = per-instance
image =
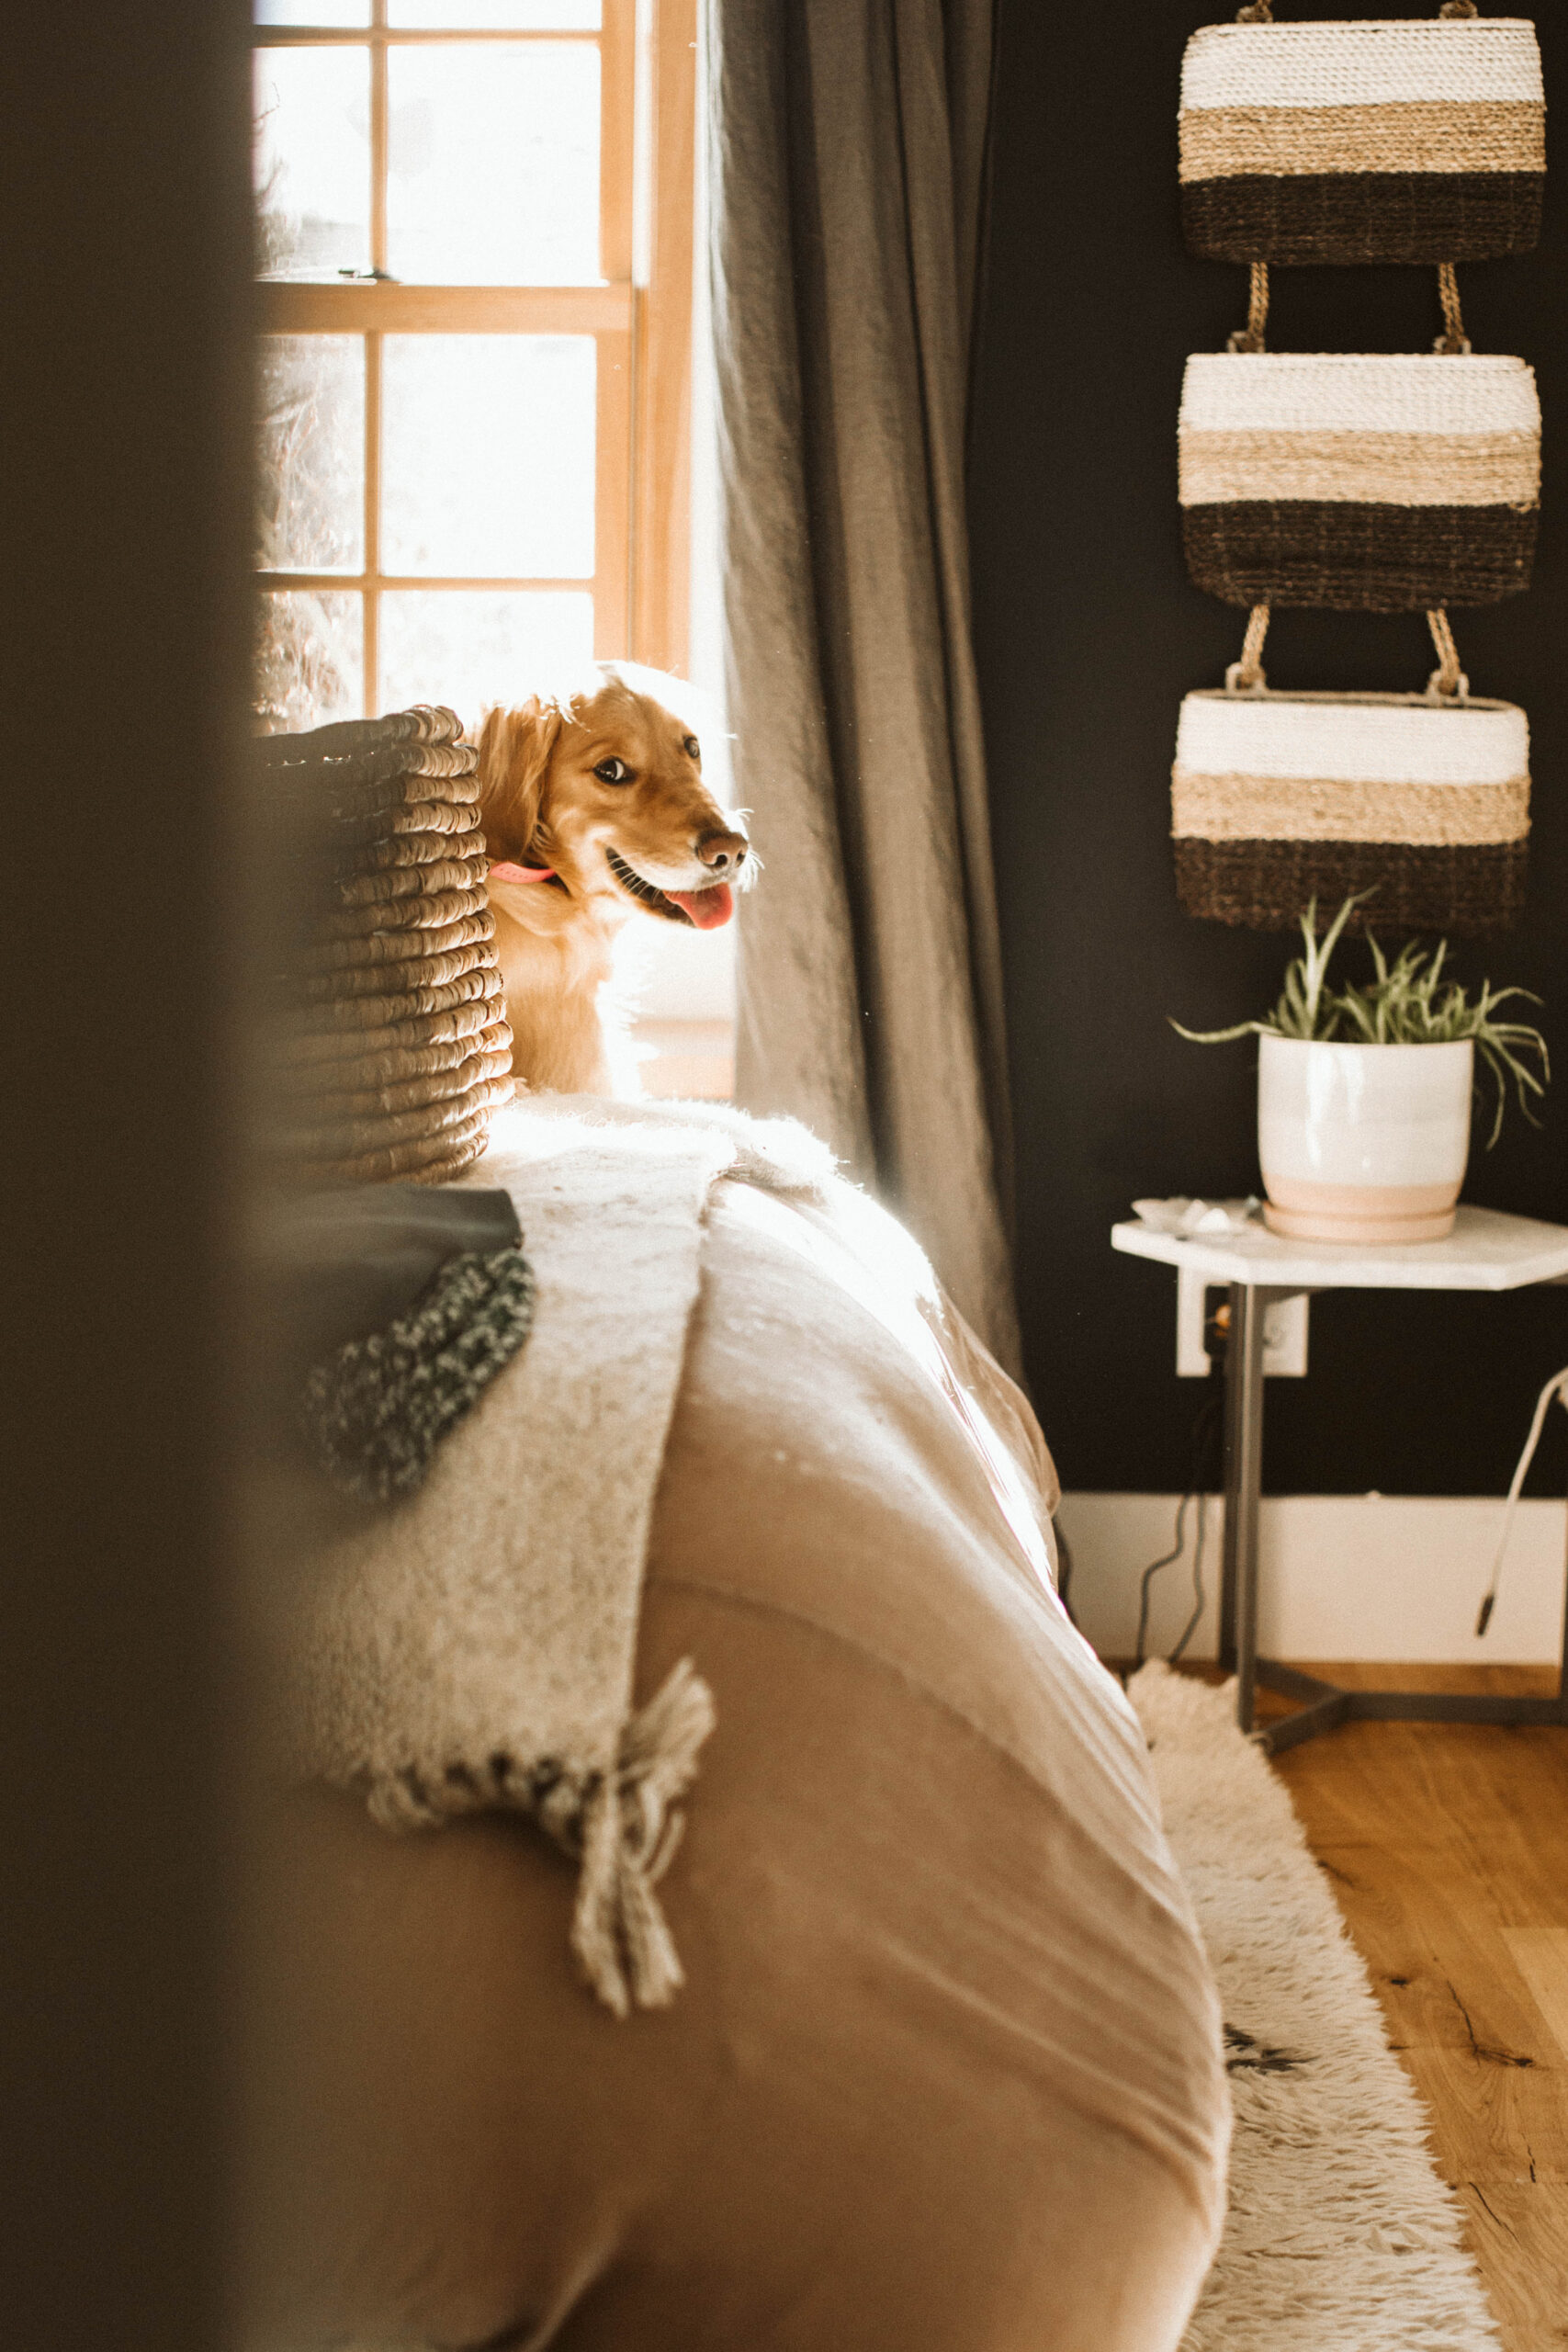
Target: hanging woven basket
{"type": "Point", "coordinates": [1361, 482]}
{"type": "Point", "coordinates": [1280, 799]}
{"type": "Point", "coordinates": [1405, 141]}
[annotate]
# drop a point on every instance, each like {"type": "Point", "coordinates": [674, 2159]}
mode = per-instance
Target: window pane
{"type": "Point", "coordinates": [493, 163]}
{"type": "Point", "coordinates": [468, 647]}
{"type": "Point", "coordinates": [311, 458]}
{"type": "Point", "coordinates": [312, 160]}
{"type": "Point", "coordinates": [528, 16]}
{"type": "Point", "coordinates": [312, 12]}
{"type": "Point", "coordinates": [487, 455]}
{"type": "Point", "coordinates": [309, 657]}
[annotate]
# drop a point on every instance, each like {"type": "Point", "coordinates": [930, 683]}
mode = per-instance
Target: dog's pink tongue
{"type": "Point", "coordinates": [707, 908]}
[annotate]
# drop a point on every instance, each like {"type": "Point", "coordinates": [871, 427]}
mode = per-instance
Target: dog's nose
{"type": "Point", "coordinates": [722, 852]}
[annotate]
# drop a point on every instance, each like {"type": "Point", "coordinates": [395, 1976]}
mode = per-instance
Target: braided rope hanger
{"type": "Point", "coordinates": [1246, 676]}
{"type": "Point", "coordinates": [1453, 342]}
{"type": "Point", "coordinates": [1260, 12]}
{"type": "Point", "coordinates": [1250, 336]}
{"type": "Point", "coordinates": [1447, 682]}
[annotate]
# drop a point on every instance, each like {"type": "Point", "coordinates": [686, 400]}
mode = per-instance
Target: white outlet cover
{"type": "Point", "coordinates": [1284, 1330]}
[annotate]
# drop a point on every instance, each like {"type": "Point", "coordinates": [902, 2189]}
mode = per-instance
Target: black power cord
{"type": "Point", "coordinates": [1204, 1427]}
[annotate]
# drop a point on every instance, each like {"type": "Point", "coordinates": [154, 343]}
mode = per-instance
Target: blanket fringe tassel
{"type": "Point", "coordinates": [621, 1824]}
{"type": "Point", "coordinates": [631, 1832]}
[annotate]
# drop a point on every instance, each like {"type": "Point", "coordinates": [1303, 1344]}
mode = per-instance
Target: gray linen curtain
{"type": "Point", "coordinates": [846, 164]}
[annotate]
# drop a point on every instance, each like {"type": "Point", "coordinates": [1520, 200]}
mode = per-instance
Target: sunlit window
{"type": "Point", "coordinates": [475, 225]}
{"type": "Point", "coordinates": [473, 399]}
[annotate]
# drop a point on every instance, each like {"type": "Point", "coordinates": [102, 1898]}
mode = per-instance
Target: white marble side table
{"type": "Point", "coordinates": [1487, 1251]}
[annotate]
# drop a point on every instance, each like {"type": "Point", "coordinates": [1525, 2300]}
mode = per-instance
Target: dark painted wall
{"type": "Point", "coordinates": [1087, 634]}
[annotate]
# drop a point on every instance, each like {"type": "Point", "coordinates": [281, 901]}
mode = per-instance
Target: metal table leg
{"type": "Point", "coordinates": [1244, 1476]}
{"type": "Point", "coordinates": [1323, 1705]}
{"type": "Point", "coordinates": [1232, 1519]}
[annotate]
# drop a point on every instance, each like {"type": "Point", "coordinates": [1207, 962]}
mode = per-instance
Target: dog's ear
{"type": "Point", "coordinates": [515, 750]}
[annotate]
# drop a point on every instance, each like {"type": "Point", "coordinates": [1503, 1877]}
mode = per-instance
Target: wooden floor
{"type": "Point", "coordinates": [1446, 1845]}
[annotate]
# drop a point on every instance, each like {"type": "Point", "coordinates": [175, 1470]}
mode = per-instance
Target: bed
{"type": "Point", "coordinates": [944, 2075]}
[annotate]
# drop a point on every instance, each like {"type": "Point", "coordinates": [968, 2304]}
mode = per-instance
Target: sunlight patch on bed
{"type": "Point", "coordinates": [885, 1270]}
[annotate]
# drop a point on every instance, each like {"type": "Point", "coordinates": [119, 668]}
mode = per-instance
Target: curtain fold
{"type": "Point", "coordinates": [846, 168]}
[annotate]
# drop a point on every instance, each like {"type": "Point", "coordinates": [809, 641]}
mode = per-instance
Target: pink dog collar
{"type": "Point", "coordinates": [504, 871]}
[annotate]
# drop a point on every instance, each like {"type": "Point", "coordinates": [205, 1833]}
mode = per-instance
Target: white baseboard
{"type": "Point", "coordinates": [1364, 1576]}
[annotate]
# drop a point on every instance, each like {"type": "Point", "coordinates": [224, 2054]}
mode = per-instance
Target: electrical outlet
{"type": "Point", "coordinates": [1284, 1329]}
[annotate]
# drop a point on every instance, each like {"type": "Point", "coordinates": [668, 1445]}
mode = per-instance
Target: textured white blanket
{"type": "Point", "coordinates": [475, 1647]}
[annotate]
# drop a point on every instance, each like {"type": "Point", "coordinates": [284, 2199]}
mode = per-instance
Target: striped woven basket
{"type": "Point", "coordinates": [1277, 798]}
{"type": "Point", "coordinates": [1362, 482]}
{"type": "Point", "coordinates": [1409, 141]}
{"type": "Point", "coordinates": [390, 1047]}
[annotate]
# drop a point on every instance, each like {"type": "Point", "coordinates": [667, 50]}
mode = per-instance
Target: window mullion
{"type": "Point", "coordinates": [378, 140]}
{"type": "Point", "coordinates": [611, 503]}
{"type": "Point", "coordinates": [660, 487]}
{"type": "Point", "coordinates": [617, 78]}
{"type": "Point", "coordinates": [372, 597]}
{"type": "Point", "coordinates": [630, 414]}
{"type": "Point", "coordinates": [319, 306]}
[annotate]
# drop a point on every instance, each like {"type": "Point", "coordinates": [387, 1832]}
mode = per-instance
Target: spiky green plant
{"type": "Point", "coordinates": [1407, 1003]}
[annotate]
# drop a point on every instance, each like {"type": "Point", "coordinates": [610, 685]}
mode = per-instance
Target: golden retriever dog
{"type": "Point", "coordinates": [594, 810]}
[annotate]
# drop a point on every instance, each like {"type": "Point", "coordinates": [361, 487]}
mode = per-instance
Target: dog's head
{"type": "Point", "coordinates": [603, 788]}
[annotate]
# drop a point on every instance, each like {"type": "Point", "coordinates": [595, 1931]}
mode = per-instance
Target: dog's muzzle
{"type": "Point", "coordinates": [705, 909]}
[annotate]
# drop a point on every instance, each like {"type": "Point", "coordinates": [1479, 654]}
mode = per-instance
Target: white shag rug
{"type": "Point", "coordinates": [1340, 2235]}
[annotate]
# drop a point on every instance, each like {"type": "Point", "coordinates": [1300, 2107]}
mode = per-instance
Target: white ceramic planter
{"type": "Point", "coordinates": [1362, 1143]}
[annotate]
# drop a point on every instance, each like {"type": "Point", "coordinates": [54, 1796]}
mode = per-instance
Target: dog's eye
{"type": "Point", "coordinates": [692, 749]}
{"type": "Point", "coordinates": [613, 772]}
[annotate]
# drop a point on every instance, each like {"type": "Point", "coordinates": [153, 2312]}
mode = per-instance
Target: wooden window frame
{"type": "Point", "coordinates": [639, 317]}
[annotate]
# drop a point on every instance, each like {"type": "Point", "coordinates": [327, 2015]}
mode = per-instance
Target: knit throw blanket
{"type": "Point", "coordinates": [474, 1646]}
